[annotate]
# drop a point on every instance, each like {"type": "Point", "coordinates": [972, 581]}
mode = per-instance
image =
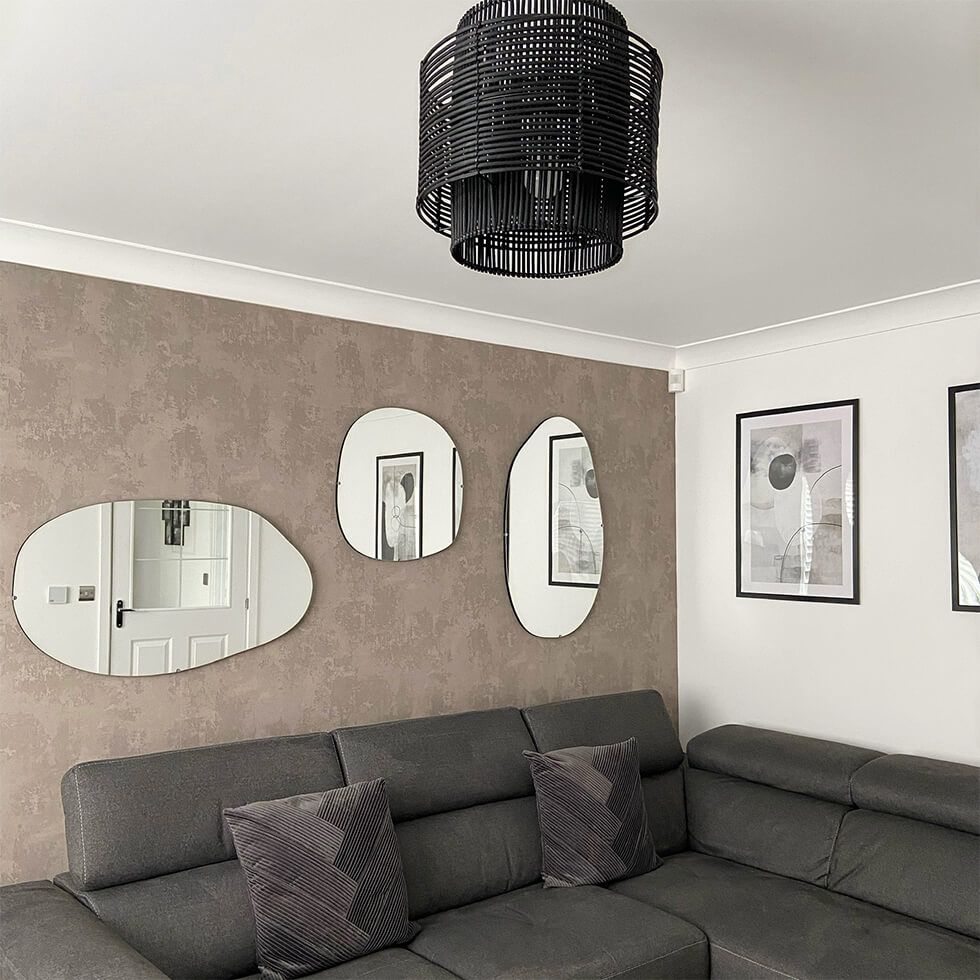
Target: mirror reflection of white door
{"type": "Point", "coordinates": [180, 568]}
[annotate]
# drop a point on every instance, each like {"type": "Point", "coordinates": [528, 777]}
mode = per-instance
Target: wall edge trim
{"type": "Point", "coordinates": [105, 258]}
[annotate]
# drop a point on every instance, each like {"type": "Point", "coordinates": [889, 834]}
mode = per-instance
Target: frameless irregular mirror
{"type": "Point", "coordinates": [553, 530]}
{"type": "Point", "coordinates": [399, 486]}
{"type": "Point", "coordinates": [142, 587]}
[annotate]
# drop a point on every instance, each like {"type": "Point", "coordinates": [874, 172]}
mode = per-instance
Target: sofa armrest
{"type": "Point", "coordinates": [45, 934]}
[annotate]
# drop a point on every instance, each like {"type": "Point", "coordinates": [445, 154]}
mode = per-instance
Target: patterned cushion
{"type": "Point", "coordinates": [591, 813]}
{"type": "Point", "coordinates": [324, 876]}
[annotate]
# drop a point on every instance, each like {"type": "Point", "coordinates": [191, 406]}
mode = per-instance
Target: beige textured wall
{"type": "Point", "coordinates": [118, 391]}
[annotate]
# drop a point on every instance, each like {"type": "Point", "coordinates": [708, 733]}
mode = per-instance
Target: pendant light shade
{"type": "Point", "coordinates": [538, 137]}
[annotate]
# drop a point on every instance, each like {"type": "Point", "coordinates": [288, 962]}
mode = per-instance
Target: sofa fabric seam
{"type": "Point", "coordinates": [748, 959]}
{"type": "Point", "coordinates": [782, 789]}
{"type": "Point", "coordinates": [662, 956]}
{"type": "Point", "coordinates": [10, 969]}
{"type": "Point", "coordinates": [833, 848]}
{"type": "Point", "coordinates": [340, 757]}
{"type": "Point", "coordinates": [81, 831]}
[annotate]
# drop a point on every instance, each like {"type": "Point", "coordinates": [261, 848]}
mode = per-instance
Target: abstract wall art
{"type": "Point", "coordinates": [399, 507]}
{"type": "Point", "coordinates": [964, 495]}
{"type": "Point", "coordinates": [796, 503]}
{"type": "Point", "coordinates": [575, 530]}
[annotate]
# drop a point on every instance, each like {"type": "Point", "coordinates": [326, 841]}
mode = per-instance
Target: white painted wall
{"type": "Point", "coordinates": [900, 671]}
{"type": "Point", "coordinates": [283, 586]}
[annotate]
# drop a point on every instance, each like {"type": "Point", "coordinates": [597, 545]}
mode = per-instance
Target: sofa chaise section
{"type": "Point", "coordinates": [777, 841]}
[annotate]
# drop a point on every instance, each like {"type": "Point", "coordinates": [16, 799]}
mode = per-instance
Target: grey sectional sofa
{"type": "Point", "coordinates": [783, 856]}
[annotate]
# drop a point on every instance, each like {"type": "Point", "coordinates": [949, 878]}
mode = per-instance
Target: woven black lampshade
{"type": "Point", "coordinates": [538, 132]}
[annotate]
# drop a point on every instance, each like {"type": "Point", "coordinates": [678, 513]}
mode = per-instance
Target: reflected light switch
{"type": "Point", "coordinates": [58, 594]}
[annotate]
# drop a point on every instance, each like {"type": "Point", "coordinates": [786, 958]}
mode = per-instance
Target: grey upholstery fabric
{"type": "Point", "coordinates": [614, 718]}
{"type": "Point", "coordinates": [606, 719]}
{"type": "Point", "coordinates": [664, 796]}
{"type": "Point", "coordinates": [728, 965]}
{"type": "Point", "coordinates": [764, 925]}
{"type": "Point", "coordinates": [386, 964]}
{"type": "Point", "coordinates": [811, 766]}
{"type": "Point", "coordinates": [447, 762]}
{"type": "Point", "coordinates": [324, 876]}
{"type": "Point", "coordinates": [129, 819]}
{"type": "Point", "coordinates": [592, 815]}
{"type": "Point", "coordinates": [767, 828]}
{"type": "Point", "coordinates": [945, 793]}
{"type": "Point", "coordinates": [451, 859]}
{"type": "Point", "coordinates": [461, 795]}
{"type": "Point", "coordinates": [192, 924]}
{"type": "Point", "coordinates": [930, 872]}
{"type": "Point", "coordinates": [46, 935]}
{"type": "Point", "coordinates": [562, 932]}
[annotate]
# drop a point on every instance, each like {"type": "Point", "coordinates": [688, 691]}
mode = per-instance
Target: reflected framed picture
{"type": "Point", "coordinates": [964, 496]}
{"type": "Point", "coordinates": [400, 482]}
{"type": "Point", "coordinates": [575, 537]}
{"type": "Point", "coordinates": [796, 503]}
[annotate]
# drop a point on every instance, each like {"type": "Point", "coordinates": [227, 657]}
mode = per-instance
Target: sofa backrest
{"type": "Point", "coordinates": [150, 853]}
{"type": "Point", "coordinates": [462, 799]}
{"type": "Point", "coordinates": [913, 845]}
{"type": "Point", "coordinates": [769, 799]}
{"type": "Point", "coordinates": [614, 718]}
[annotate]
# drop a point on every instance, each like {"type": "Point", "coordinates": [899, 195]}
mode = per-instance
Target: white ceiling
{"type": "Point", "coordinates": [815, 155]}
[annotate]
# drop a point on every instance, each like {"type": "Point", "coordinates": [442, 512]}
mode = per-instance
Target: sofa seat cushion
{"type": "Point", "coordinates": [386, 964]}
{"type": "Point", "coordinates": [763, 925]}
{"type": "Point", "coordinates": [583, 932]}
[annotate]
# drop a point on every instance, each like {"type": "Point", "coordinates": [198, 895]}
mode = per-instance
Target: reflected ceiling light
{"type": "Point", "coordinates": [538, 130]}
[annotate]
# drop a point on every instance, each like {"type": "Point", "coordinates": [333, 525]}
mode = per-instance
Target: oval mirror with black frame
{"type": "Point", "coordinates": [399, 486]}
{"type": "Point", "coordinates": [553, 535]}
{"type": "Point", "coordinates": [144, 587]}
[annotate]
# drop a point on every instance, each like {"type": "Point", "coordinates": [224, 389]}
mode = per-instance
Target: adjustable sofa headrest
{"type": "Point", "coordinates": [608, 719]}
{"type": "Point", "coordinates": [811, 766]}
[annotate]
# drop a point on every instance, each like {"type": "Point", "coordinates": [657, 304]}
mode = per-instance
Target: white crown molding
{"type": "Point", "coordinates": [105, 258]}
{"type": "Point", "coordinates": [899, 313]}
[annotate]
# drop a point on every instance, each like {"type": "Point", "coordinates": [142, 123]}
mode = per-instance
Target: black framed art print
{"type": "Point", "coordinates": [796, 503]}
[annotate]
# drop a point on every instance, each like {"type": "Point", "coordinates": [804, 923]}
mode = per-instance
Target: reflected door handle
{"type": "Point", "coordinates": [119, 613]}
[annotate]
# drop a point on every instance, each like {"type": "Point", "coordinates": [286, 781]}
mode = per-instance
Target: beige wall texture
{"type": "Point", "coordinates": [117, 391]}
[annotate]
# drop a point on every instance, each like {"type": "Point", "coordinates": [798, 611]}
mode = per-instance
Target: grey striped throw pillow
{"type": "Point", "coordinates": [591, 814]}
{"type": "Point", "coordinates": [324, 876]}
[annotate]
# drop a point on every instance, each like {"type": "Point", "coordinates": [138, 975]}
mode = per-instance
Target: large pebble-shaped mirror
{"type": "Point", "coordinates": [399, 486]}
{"type": "Point", "coordinates": [141, 587]}
{"type": "Point", "coordinates": [553, 530]}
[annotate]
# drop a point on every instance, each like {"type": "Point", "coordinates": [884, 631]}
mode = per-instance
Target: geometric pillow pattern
{"type": "Point", "coordinates": [591, 815]}
{"type": "Point", "coordinates": [324, 877]}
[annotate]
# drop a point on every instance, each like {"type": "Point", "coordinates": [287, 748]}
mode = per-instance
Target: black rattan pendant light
{"type": "Point", "coordinates": [538, 137]}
